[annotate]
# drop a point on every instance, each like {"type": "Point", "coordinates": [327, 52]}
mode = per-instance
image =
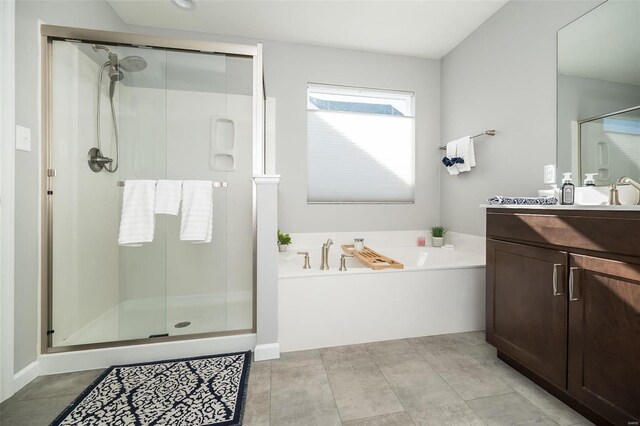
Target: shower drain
{"type": "Point", "coordinates": [183, 324]}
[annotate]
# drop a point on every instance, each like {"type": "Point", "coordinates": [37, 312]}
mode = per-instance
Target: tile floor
{"type": "Point", "coordinates": [452, 379]}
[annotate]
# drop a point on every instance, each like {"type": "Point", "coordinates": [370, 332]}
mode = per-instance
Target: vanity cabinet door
{"type": "Point", "coordinates": [527, 307]}
{"type": "Point", "coordinates": [604, 337]}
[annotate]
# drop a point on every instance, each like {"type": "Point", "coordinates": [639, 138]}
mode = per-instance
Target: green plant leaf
{"type": "Point", "coordinates": [438, 231]}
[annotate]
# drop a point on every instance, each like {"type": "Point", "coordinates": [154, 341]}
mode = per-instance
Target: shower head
{"type": "Point", "coordinates": [115, 74]}
{"type": "Point", "coordinates": [97, 47]}
{"type": "Point", "coordinates": [129, 64]}
{"type": "Point", "coordinates": [132, 63]}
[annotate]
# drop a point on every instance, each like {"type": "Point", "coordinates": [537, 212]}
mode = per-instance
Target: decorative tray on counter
{"type": "Point", "coordinates": [372, 259]}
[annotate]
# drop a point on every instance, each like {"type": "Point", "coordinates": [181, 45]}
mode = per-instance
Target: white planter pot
{"type": "Point", "coordinates": [283, 247]}
{"type": "Point", "coordinates": [437, 241]}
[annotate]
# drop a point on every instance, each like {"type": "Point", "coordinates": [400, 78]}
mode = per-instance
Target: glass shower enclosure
{"type": "Point", "coordinates": [121, 108]}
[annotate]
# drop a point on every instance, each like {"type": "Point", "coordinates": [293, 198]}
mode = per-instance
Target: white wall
{"type": "Point", "coordinates": [288, 69]}
{"type": "Point", "coordinates": [7, 196]}
{"type": "Point", "coordinates": [503, 77]}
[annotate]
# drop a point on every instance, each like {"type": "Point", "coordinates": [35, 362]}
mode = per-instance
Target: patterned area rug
{"type": "Point", "coordinates": [209, 390]}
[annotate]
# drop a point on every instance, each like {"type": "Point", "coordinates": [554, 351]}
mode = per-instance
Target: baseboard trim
{"type": "Point", "coordinates": [267, 352]}
{"type": "Point", "coordinates": [23, 377]}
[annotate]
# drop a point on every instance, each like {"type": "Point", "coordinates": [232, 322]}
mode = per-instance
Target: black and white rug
{"type": "Point", "coordinates": [209, 390]}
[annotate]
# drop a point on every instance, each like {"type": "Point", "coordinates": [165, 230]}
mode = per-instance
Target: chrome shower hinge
{"type": "Point", "coordinates": [51, 172]}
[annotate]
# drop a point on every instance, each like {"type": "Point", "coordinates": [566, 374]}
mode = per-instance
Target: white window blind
{"type": "Point", "coordinates": [360, 145]}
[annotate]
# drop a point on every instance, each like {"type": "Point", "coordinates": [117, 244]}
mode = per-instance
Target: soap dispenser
{"type": "Point", "coordinates": [567, 192]}
{"type": "Point", "coordinates": [589, 179]}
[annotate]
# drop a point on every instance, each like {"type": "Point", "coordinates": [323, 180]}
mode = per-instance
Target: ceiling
{"type": "Point", "coordinates": [426, 28]}
{"type": "Point", "coordinates": [603, 44]}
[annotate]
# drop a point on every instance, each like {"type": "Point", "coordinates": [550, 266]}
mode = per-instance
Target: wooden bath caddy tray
{"type": "Point", "coordinates": [372, 259]}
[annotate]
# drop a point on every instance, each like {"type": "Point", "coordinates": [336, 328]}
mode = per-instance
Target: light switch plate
{"type": "Point", "coordinates": [23, 138]}
{"type": "Point", "coordinates": [550, 174]}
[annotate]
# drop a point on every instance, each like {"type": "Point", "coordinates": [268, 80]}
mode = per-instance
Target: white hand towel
{"type": "Point", "coordinates": [452, 149]}
{"type": "Point", "coordinates": [197, 211]}
{"type": "Point", "coordinates": [466, 152]}
{"type": "Point", "coordinates": [168, 195]}
{"type": "Point", "coordinates": [138, 221]}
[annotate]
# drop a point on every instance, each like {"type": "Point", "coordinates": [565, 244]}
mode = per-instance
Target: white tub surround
{"type": "Point", "coordinates": [439, 291]}
{"type": "Point", "coordinates": [267, 346]}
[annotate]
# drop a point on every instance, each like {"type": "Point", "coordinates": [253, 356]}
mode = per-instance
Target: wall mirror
{"type": "Point", "coordinates": [599, 94]}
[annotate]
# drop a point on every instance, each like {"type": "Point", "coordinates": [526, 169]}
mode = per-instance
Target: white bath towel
{"type": "Point", "coordinates": [168, 195]}
{"type": "Point", "coordinates": [197, 211]}
{"type": "Point", "coordinates": [466, 152]}
{"type": "Point", "coordinates": [137, 223]}
{"type": "Point", "coordinates": [452, 148]}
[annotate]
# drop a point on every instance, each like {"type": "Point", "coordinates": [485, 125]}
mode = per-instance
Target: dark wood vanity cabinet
{"type": "Point", "coordinates": [528, 321]}
{"type": "Point", "coordinates": [604, 336]}
{"type": "Point", "coordinates": [563, 305]}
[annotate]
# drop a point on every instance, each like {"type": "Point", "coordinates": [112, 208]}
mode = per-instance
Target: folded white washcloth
{"type": "Point", "coordinates": [452, 148]}
{"type": "Point", "coordinates": [138, 221]}
{"type": "Point", "coordinates": [466, 152]}
{"type": "Point", "coordinates": [197, 211]}
{"type": "Point", "coordinates": [168, 194]}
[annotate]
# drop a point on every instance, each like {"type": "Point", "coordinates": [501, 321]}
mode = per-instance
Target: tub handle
{"type": "Point", "coordinates": [343, 262]}
{"type": "Point", "coordinates": [307, 264]}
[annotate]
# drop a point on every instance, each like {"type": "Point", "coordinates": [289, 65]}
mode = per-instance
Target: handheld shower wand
{"type": "Point", "coordinates": [97, 161]}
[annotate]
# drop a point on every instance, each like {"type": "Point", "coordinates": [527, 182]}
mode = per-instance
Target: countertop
{"type": "Point", "coordinates": [562, 207]}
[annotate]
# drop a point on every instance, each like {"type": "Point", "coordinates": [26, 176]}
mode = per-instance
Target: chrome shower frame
{"type": "Point", "coordinates": [48, 34]}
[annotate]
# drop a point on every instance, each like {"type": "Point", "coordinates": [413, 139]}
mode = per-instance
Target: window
{"type": "Point", "coordinates": [360, 145]}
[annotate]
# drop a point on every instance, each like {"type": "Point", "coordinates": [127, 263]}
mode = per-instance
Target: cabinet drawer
{"type": "Point", "coordinates": [611, 232]}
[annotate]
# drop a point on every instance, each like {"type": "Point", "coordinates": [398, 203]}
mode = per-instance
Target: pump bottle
{"type": "Point", "coordinates": [568, 190]}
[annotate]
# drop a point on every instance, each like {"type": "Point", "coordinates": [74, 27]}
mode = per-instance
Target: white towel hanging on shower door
{"type": "Point", "coordinates": [168, 195]}
{"type": "Point", "coordinates": [138, 220]}
{"type": "Point", "coordinates": [197, 211]}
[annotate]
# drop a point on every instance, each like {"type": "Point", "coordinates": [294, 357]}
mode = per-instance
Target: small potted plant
{"type": "Point", "coordinates": [283, 241]}
{"type": "Point", "coordinates": [437, 236]}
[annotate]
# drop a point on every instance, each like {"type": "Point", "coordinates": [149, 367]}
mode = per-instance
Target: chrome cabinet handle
{"type": "Point", "coordinates": [556, 266]}
{"type": "Point", "coordinates": [571, 281]}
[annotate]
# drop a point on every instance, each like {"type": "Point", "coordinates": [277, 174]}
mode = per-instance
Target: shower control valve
{"type": "Point", "coordinates": [96, 160]}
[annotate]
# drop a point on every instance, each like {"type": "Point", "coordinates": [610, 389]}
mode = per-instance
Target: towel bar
{"type": "Point", "coordinates": [485, 133]}
{"type": "Point", "coordinates": [216, 184]}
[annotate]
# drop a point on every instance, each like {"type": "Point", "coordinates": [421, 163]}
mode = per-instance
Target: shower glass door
{"type": "Point", "coordinates": [142, 277]}
{"type": "Point", "coordinates": [179, 115]}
